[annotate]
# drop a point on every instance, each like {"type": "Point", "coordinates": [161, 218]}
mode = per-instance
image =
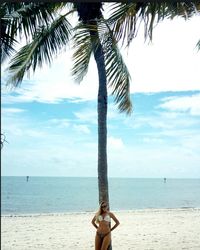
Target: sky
{"type": "Point", "coordinates": [50, 122]}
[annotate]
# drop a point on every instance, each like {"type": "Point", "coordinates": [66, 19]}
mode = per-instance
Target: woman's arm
{"type": "Point", "coordinates": [93, 222]}
{"type": "Point", "coordinates": [115, 220]}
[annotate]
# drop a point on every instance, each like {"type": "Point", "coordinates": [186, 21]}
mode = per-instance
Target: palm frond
{"type": "Point", "coordinates": [118, 77]}
{"type": "Point", "coordinates": [126, 18]}
{"type": "Point", "coordinates": [46, 43]}
{"type": "Point", "coordinates": [18, 19]}
{"type": "Point", "coordinates": [123, 20]}
{"type": "Point", "coordinates": [198, 45]}
{"type": "Point", "coordinates": [184, 9]}
{"type": "Point", "coordinates": [7, 47]}
{"type": "Point", "coordinates": [24, 18]}
{"type": "Point", "coordinates": [7, 43]}
{"type": "Point", "coordinates": [83, 50]}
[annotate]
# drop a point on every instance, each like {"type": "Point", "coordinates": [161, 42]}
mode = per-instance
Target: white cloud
{"type": "Point", "coordinates": [163, 126]}
{"type": "Point", "coordinates": [177, 156]}
{"type": "Point", "coordinates": [183, 104]}
{"type": "Point", "coordinates": [55, 83]}
{"type": "Point", "coordinates": [152, 140]}
{"type": "Point", "coordinates": [153, 121]}
{"type": "Point", "coordinates": [12, 110]}
{"type": "Point", "coordinates": [178, 133]}
{"type": "Point", "coordinates": [59, 154]}
{"type": "Point", "coordinates": [16, 130]}
{"type": "Point", "coordinates": [82, 129]}
{"type": "Point", "coordinates": [115, 143]}
{"type": "Point", "coordinates": [61, 123]}
{"type": "Point", "coordinates": [87, 115]}
{"type": "Point", "coordinates": [170, 161]}
{"type": "Point", "coordinates": [171, 62]}
{"type": "Point", "coordinates": [17, 126]}
{"type": "Point", "coordinates": [35, 133]}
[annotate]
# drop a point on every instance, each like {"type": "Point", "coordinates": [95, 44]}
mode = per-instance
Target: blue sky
{"type": "Point", "coordinates": [50, 122]}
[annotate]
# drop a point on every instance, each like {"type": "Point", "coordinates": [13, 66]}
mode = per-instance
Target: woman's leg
{"type": "Point", "coordinates": [98, 242]}
{"type": "Point", "coordinates": [106, 242]}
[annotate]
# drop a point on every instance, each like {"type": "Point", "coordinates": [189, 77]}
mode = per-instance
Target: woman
{"type": "Point", "coordinates": [103, 234]}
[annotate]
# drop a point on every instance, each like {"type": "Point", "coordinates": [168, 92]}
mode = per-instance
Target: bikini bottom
{"type": "Point", "coordinates": [102, 235]}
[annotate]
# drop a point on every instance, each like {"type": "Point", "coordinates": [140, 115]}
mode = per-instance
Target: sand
{"type": "Point", "coordinates": [170, 229]}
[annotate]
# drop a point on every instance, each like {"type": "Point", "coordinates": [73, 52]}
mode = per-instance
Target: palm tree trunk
{"type": "Point", "coordinates": [102, 128]}
{"type": "Point", "coordinates": [102, 122]}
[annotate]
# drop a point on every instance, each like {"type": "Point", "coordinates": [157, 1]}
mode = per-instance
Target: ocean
{"type": "Point", "coordinates": [77, 194]}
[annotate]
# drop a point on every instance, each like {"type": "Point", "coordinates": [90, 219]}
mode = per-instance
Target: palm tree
{"type": "Point", "coordinates": [47, 31]}
{"type": "Point", "coordinates": [92, 35]}
{"type": "Point", "coordinates": [89, 14]}
{"type": "Point", "coordinates": [111, 69]}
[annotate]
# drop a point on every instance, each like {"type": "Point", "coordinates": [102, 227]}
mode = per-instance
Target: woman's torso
{"type": "Point", "coordinates": [104, 223]}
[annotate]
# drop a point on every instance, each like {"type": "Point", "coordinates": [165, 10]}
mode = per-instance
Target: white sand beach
{"type": "Point", "coordinates": [170, 229]}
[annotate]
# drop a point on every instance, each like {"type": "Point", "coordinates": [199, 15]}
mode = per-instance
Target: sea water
{"type": "Point", "coordinates": [77, 194]}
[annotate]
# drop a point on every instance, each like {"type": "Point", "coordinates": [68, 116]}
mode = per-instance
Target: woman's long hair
{"type": "Point", "coordinates": [99, 212]}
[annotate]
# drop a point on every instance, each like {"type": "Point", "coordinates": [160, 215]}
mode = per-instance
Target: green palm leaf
{"type": "Point", "coordinates": [18, 19]}
{"type": "Point", "coordinates": [7, 47]}
{"type": "Point", "coordinates": [83, 50]}
{"type": "Point", "coordinates": [198, 45]}
{"type": "Point", "coordinates": [123, 19]}
{"type": "Point", "coordinates": [118, 77]}
{"type": "Point", "coordinates": [24, 18]}
{"type": "Point", "coordinates": [126, 18]}
{"type": "Point", "coordinates": [46, 43]}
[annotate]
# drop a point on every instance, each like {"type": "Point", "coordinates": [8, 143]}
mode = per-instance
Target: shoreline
{"type": "Point", "coordinates": [92, 212]}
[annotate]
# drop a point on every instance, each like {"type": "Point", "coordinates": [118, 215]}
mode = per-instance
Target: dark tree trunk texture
{"type": "Point", "coordinates": [102, 127]}
{"type": "Point", "coordinates": [102, 122]}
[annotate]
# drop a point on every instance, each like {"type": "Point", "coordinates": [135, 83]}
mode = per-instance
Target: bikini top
{"type": "Point", "coordinates": [106, 218]}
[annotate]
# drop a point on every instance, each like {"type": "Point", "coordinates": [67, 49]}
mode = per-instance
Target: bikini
{"type": "Point", "coordinates": [101, 218]}
{"type": "Point", "coordinates": [106, 218]}
{"type": "Point", "coordinates": [102, 235]}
